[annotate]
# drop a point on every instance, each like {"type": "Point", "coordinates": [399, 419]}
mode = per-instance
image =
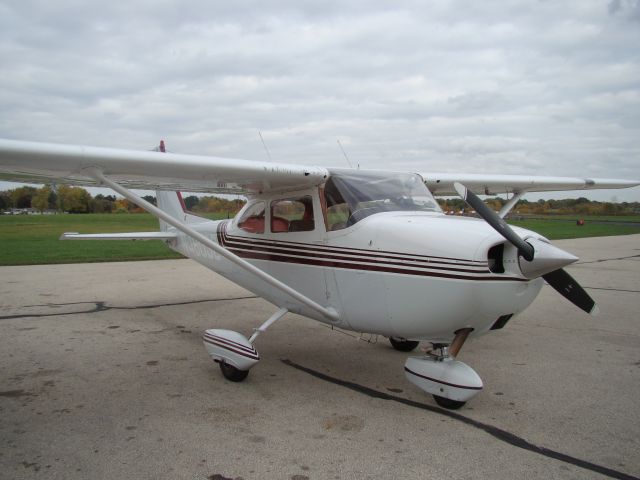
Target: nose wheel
{"type": "Point", "coordinates": [232, 373]}
{"type": "Point", "coordinates": [448, 403]}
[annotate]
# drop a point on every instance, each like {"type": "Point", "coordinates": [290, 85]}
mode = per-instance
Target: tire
{"type": "Point", "coordinates": [232, 373]}
{"type": "Point", "coordinates": [448, 403]}
{"type": "Point", "coordinates": [403, 345]}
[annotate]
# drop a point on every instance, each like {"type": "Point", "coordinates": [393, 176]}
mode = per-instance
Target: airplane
{"type": "Point", "coordinates": [368, 251]}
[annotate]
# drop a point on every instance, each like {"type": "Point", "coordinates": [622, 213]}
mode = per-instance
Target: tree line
{"type": "Point", "coordinates": [69, 199]}
{"type": "Point", "coordinates": [569, 206]}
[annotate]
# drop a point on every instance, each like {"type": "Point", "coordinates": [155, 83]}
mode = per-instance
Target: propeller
{"type": "Point", "coordinates": [558, 278]}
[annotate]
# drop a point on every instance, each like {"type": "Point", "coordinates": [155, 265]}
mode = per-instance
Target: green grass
{"type": "Point", "coordinates": [555, 229]}
{"type": "Point", "coordinates": [33, 239]}
{"type": "Point", "coordinates": [591, 218]}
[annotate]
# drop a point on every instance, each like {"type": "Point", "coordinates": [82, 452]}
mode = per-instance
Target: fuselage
{"type": "Point", "coordinates": [411, 274]}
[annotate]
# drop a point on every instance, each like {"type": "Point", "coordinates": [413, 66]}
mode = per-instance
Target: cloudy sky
{"type": "Point", "coordinates": [523, 87]}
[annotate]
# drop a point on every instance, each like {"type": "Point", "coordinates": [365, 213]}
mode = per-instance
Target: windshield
{"type": "Point", "coordinates": [352, 196]}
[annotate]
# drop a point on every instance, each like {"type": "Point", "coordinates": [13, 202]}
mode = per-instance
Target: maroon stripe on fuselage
{"type": "Point", "coordinates": [367, 267]}
{"type": "Point", "coordinates": [258, 250]}
{"type": "Point", "coordinates": [360, 257]}
{"type": "Point", "coordinates": [354, 251]}
{"type": "Point", "coordinates": [303, 257]}
{"type": "Point", "coordinates": [345, 252]}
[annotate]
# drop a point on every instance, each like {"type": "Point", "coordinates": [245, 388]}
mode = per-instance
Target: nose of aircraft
{"type": "Point", "coordinates": [546, 258]}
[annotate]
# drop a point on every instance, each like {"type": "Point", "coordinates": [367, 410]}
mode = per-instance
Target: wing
{"type": "Point", "coordinates": [442, 183]}
{"type": "Point", "coordinates": [119, 236]}
{"type": "Point", "coordinates": [31, 162]}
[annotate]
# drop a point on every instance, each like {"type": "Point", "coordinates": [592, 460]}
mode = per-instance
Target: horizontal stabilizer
{"type": "Point", "coordinates": [119, 236]}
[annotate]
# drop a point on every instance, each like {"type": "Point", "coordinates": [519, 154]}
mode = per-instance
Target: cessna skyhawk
{"type": "Point", "coordinates": [362, 250]}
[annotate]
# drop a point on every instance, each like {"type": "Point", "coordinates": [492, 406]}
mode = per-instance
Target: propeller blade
{"type": "Point", "coordinates": [566, 285]}
{"type": "Point", "coordinates": [493, 219]}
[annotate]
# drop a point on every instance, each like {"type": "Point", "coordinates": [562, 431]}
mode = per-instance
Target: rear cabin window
{"type": "Point", "coordinates": [252, 219]}
{"type": "Point", "coordinates": [292, 215]}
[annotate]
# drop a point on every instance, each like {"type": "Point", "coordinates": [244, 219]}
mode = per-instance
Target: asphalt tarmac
{"type": "Point", "coordinates": [103, 376]}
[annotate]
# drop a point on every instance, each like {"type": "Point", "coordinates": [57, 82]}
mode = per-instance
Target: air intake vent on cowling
{"type": "Point", "coordinates": [495, 255]}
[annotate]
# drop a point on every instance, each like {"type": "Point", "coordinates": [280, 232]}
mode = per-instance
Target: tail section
{"type": "Point", "coordinates": [173, 204]}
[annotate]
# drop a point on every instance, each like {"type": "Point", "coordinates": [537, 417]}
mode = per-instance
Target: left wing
{"type": "Point", "coordinates": [481, 184]}
{"type": "Point", "coordinates": [32, 162]}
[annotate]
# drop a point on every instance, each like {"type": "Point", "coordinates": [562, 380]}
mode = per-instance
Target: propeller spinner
{"type": "Point", "coordinates": [540, 258]}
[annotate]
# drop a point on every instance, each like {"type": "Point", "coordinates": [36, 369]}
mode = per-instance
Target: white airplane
{"type": "Point", "coordinates": [362, 250]}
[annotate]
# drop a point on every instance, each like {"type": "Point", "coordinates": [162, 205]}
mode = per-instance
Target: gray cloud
{"type": "Point", "coordinates": [506, 87]}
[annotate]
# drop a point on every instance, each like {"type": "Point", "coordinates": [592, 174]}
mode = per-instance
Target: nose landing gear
{"type": "Point", "coordinates": [451, 382]}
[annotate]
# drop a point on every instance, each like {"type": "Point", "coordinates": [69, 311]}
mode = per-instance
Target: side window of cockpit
{"type": "Point", "coordinates": [292, 215]}
{"type": "Point", "coordinates": [337, 210]}
{"type": "Point", "coordinates": [252, 219]}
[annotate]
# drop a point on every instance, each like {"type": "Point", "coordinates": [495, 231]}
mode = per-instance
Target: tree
{"type": "Point", "coordinates": [190, 202]}
{"type": "Point", "coordinates": [73, 199]}
{"type": "Point", "coordinates": [5, 201]}
{"type": "Point", "coordinates": [41, 199]}
{"type": "Point", "coordinates": [102, 204]}
{"type": "Point", "coordinates": [122, 205]}
{"type": "Point", "coordinates": [21, 197]}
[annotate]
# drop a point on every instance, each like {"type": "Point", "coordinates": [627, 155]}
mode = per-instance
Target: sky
{"type": "Point", "coordinates": [515, 87]}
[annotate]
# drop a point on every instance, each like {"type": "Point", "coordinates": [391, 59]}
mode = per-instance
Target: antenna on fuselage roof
{"type": "Point", "coordinates": [345, 155]}
{"type": "Point", "coordinates": [265, 146]}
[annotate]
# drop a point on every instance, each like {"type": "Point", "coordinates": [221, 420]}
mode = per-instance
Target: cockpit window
{"type": "Point", "coordinates": [352, 196]}
{"type": "Point", "coordinates": [292, 215]}
{"type": "Point", "coordinates": [252, 220]}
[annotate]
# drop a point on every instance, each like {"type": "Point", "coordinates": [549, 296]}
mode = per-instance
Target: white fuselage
{"type": "Point", "coordinates": [405, 274]}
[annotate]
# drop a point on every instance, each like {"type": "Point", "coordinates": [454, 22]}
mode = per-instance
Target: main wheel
{"type": "Point", "coordinates": [448, 403]}
{"type": "Point", "coordinates": [402, 344]}
{"type": "Point", "coordinates": [232, 373]}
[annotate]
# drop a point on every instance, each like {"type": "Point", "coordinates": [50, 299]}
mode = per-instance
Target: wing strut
{"type": "Point", "coordinates": [511, 203]}
{"type": "Point", "coordinates": [329, 313]}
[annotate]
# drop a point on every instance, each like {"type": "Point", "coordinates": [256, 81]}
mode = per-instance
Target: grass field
{"type": "Point", "coordinates": [591, 218]}
{"type": "Point", "coordinates": [33, 239]}
{"type": "Point", "coordinates": [555, 229]}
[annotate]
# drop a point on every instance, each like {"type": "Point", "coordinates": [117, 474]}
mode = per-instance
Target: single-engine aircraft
{"type": "Point", "coordinates": [363, 250]}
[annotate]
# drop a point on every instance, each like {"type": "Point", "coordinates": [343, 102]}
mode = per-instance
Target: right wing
{"type": "Point", "coordinates": [487, 184]}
